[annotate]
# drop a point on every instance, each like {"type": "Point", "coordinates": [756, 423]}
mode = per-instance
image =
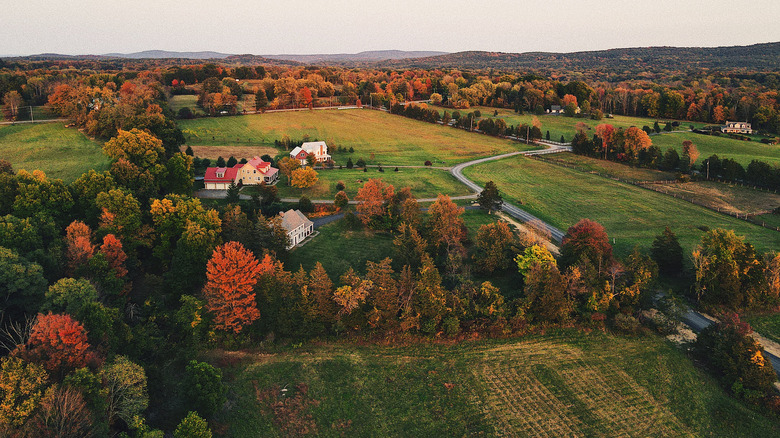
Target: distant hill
{"type": "Point", "coordinates": [754, 57]}
{"type": "Point", "coordinates": [161, 54]}
{"type": "Point", "coordinates": [373, 55]}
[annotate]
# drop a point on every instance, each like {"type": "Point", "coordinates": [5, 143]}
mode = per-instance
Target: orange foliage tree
{"type": "Point", "coordinates": [606, 133]}
{"type": "Point", "coordinates": [79, 248]}
{"type": "Point", "coordinates": [636, 140]}
{"type": "Point", "coordinates": [371, 199]}
{"type": "Point", "coordinates": [232, 273]}
{"type": "Point", "coordinates": [58, 342]}
{"type": "Point", "coordinates": [115, 255]}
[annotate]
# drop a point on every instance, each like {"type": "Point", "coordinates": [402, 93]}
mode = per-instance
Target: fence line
{"type": "Point", "coordinates": [747, 217]}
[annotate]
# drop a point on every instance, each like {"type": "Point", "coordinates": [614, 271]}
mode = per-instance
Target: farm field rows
{"type": "Point", "coordinates": [58, 151]}
{"type": "Point", "coordinates": [631, 215]}
{"type": "Point", "coordinates": [425, 183]}
{"type": "Point", "coordinates": [377, 137]}
{"type": "Point", "coordinates": [726, 197]}
{"type": "Point", "coordinates": [565, 383]}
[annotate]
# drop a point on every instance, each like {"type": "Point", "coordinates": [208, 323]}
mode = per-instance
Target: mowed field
{"type": "Point", "coordinates": [60, 152]}
{"type": "Point", "coordinates": [565, 126]}
{"type": "Point", "coordinates": [425, 183]}
{"type": "Point", "coordinates": [741, 151]}
{"type": "Point", "coordinates": [630, 214]}
{"type": "Point", "coordinates": [565, 383]}
{"type": "Point", "coordinates": [377, 137]}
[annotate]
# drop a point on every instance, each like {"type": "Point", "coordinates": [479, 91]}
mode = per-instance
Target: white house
{"type": "Point", "coordinates": [318, 148]}
{"type": "Point", "coordinates": [253, 172]}
{"type": "Point", "coordinates": [738, 127]}
{"type": "Point", "coordinates": [298, 226]}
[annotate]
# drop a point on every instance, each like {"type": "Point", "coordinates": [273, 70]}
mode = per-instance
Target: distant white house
{"type": "Point", "coordinates": [298, 226]}
{"type": "Point", "coordinates": [556, 109]}
{"type": "Point", "coordinates": [317, 148]}
{"type": "Point", "coordinates": [737, 127]}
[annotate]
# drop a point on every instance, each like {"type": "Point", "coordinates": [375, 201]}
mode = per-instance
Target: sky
{"type": "Point", "coordinates": [78, 27]}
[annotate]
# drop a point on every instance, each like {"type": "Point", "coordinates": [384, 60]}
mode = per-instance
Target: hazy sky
{"type": "Point", "coordinates": [338, 26]}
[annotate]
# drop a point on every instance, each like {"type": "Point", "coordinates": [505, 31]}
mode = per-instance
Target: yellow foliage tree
{"type": "Point", "coordinates": [304, 178]}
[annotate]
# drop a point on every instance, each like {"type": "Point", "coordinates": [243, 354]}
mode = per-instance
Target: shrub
{"type": "Point", "coordinates": [203, 387]}
{"type": "Point", "coordinates": [396, 170]}
{"type": "Point", "coordinates": [185, 113]}
{"type": "Point", "coordinates": [305, 205]}
{"type": "Point", "coordinates": [189, 151]}
{"type": "Point", "coordinates": [626, 323]}
{"type": "Point", "coordinates": [340, 186]}
{"type": "Point", "coordinates": [428, 163]}
{"type": "Point", "coordinates": [360, 162]}
{"type": "Point", "coordinates": [428, 326]}
{"type": "Point", "coordinates": [451, 326]}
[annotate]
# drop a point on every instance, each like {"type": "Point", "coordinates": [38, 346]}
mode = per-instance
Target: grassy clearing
{"type": "Point", "coordinates": [610, 168]}
{"type": "Point", "coordinates": [741, 151]}
{"type": "Point", "coordinates": [767, 325]}
{"type": "Point", "coordinates": [425, 183]}
{"type": "Point", "coordinates": [631, 215]}
{"type": "Point", "coordinates": [239, 152]}
{"type": "Point", "coordinates": [338, 248]}
{"type": "Point", "coordinates": [60, 152]}
{"type": "Point", "coordinates": [565, 126]}
{"type": "Point", "coordinates": [377, 137]}
{"type": "Point", "coordinates": [726, 197]}
{"type": "Point", "coordinates": [562, 384]}
{"type": "Point", "coordinates": [185, 100]}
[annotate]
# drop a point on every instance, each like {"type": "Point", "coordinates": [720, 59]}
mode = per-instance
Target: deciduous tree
{"type": "Point", "coordinates": [232, 273]}
{"type": "Point", "coordinates": [304, 178]}
{"type": "Point", "coordinates": [58, 342]}
{"type": "Point", "coordinates": [372, 198]}
{"type": "Point", "coordinates": [79, 247]}
{"type": "Point", "coordinates": [125, 384]}
{"type": "Point", "coordinates": [489, 198]}
{"type": "Point", "coordinates": [587, 239]}
{"type": "Point", "coordinates": [22, 386]}
{"type": "Point", "coordinates": [494, 243]}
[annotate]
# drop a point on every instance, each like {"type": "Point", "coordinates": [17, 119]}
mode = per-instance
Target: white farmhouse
{"type": "Point", "coordinates": [317, 148]}
{"type": "Point", "coordinates": [298, 226]}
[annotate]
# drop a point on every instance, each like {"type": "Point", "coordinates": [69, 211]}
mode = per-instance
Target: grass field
{"type": "Point", "coordinates": [60, 152]}
{"type": "Point", "coordinates": [425, 183]}
{"type": "Point", "coordinates": [377, 137]}
{"type": "Point", "coordinates": [741, 151]}
{"type": "Point", "coordinates": [726, 197]}
{"type": "Point", "coordinates": [565, 383]}
{"type": "Point", "coordinates": [565, 126]}
{"type": "Point", "coordinates": [767, 325]}
{"type": "Point", "coordinates": [610, 168]}
{"type": "Point", "coordinates": [631, 215]}
{"type": "Point", "coordinates": [185, 100]}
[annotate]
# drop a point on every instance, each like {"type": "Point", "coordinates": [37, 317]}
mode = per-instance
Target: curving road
{"type": "Point", "coordinates": [511, 209]}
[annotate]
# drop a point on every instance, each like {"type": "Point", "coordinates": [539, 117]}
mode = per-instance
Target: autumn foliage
{"type": "Point", "coordinates": [232, 274]}
{"type": "Point", "coordinates": [371, 199]}
{"type": "Point", "coordinates": [115, 255]}
{"type": "Point", "coordinates": [78, 241]}
{"type": "Point", "coordinates": [58, 342]}
{"type": "Point", "coordinates": [586, 238]}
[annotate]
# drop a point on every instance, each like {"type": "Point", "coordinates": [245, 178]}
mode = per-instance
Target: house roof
{"type": "Point", "coordinates": [292, 219]}
{"type": "Point", "coordinates": [229, 174]}
{"type": "Point", "coordinates": [314, 146]}
{"type": "Point", "coordinates": [295, 152]}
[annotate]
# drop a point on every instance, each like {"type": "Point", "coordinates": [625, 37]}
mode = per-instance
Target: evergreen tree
{"type": "Point", "coordinates": [667, 253]}
{"type": "Point", "coordinates": [489, 198]}
{"type": "Point", "coordinates": [232, 196]}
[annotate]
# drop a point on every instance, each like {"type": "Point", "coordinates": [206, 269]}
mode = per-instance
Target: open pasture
{"type": "Point", "coordinates": [631, 215]}
{"type": "Point", "coordinates": [741, 151]}
{"type": "Point", "coordinates": [565, 383]}
{"type": "Point", "coordinates": [58, 151]}
{"type": "Point", "coordinates": [377, 137]}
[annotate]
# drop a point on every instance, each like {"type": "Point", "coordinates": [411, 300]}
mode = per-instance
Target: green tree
{"type": "Point", "coordinates": [85, 190]}
{"type": "Point", "coordinates": [233, 194]}
{"type": "Point", "coordinates": [545, 294]}
{"type": "Point", "coordinates": [667, 253]}
{"type": "Point", "coordinates": [341, 200]}
{"type": "Point", "coordinates": [494, 242]}
{"type": "Point", "coordinates": [40, 197]}
{"type": "Point", "coordinates": [69, 295]}
{"type": "Point", "coordinates": [125, 384]}
{"type": "Point", "coordinates": [203, 388]}
{"type": "Point", "coordinates": [261, 100]}
{"type": "Point", "coordinates": [192, 426]}
{"type": "Point", "coordinates": [534, 254]}
{"type": "Point", "coordinates": [180, 174]}
{"type": "Point", "coordinates": [22, 284]}
{"type": "Point", "coordinates": [489, 198]}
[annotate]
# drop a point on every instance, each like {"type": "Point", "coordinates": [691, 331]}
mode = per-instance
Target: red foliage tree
{"type": "Point", "coordinates": [78, 241]}
{"type": "Point", "coordinates": [606, 133]}
{"type": "Point", "coordinates": [589, 239]}
{"type": "Point", "coordinates": [115, 255]}
{"type": "Point", "coordinates": [58, 342]}
{"type": "Point", "coordinates": [372, 198]}
{"type": "Point", "coordinates": [232, 274]}
{"type": "Point", "coordinates": [306, 97]}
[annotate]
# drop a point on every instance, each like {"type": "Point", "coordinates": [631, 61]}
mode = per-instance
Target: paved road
{"type": "Point", "coordinates": [698, 322]}
{"type": "Point", "coordinates": [18, 122]}
{"type": "Point", "coordinates": [512, 210]}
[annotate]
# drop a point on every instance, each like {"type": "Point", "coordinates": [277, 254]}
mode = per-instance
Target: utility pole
{"type": "Point", "coordinates": [708, 169]}
{"type": "Point", "coordinates": [32, 118]}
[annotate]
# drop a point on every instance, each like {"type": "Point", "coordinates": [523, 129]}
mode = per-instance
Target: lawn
{"type": "Point", "coordinates": [338, 248]}
{"type": "Point", "coordinates": [610, 168]}
{"type": "Point", "coordinates": [377, 137]}
{"type": "Point", "coordinates": [565, 383]}
{"type": "Point", "coordinates": [60, 152]}
{"type": "Point", "coordinates": [631, 215]}
{"type": "Point", "coordinates": [565, 126]}
{"type": "Point", "coordinates": [741, 151]}
{"type": "Point", "coordinates": [766, 325]}
{"type": "Point", "coordinates": [425, 183]}
{"type": "Point", "coordinates": [725, 197]}
{"type": "Point", "coordinates": [185, 100]}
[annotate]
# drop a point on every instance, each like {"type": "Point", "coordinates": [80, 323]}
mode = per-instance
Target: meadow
{"type": "Point", "coordinates": [377, 137]}
{"type": "Point", "coordinates": [631, 215]}
{"type": "Point", "coordinates": [424, 182]}
{"type": "Point", "coordinates": [560, 125]}
{"type": "Point", "coordinates": [58, 151]}
{"type": "Point", "coordinates": [564, 383]}
{"type": "Point", "coordinates": [741, 151]}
